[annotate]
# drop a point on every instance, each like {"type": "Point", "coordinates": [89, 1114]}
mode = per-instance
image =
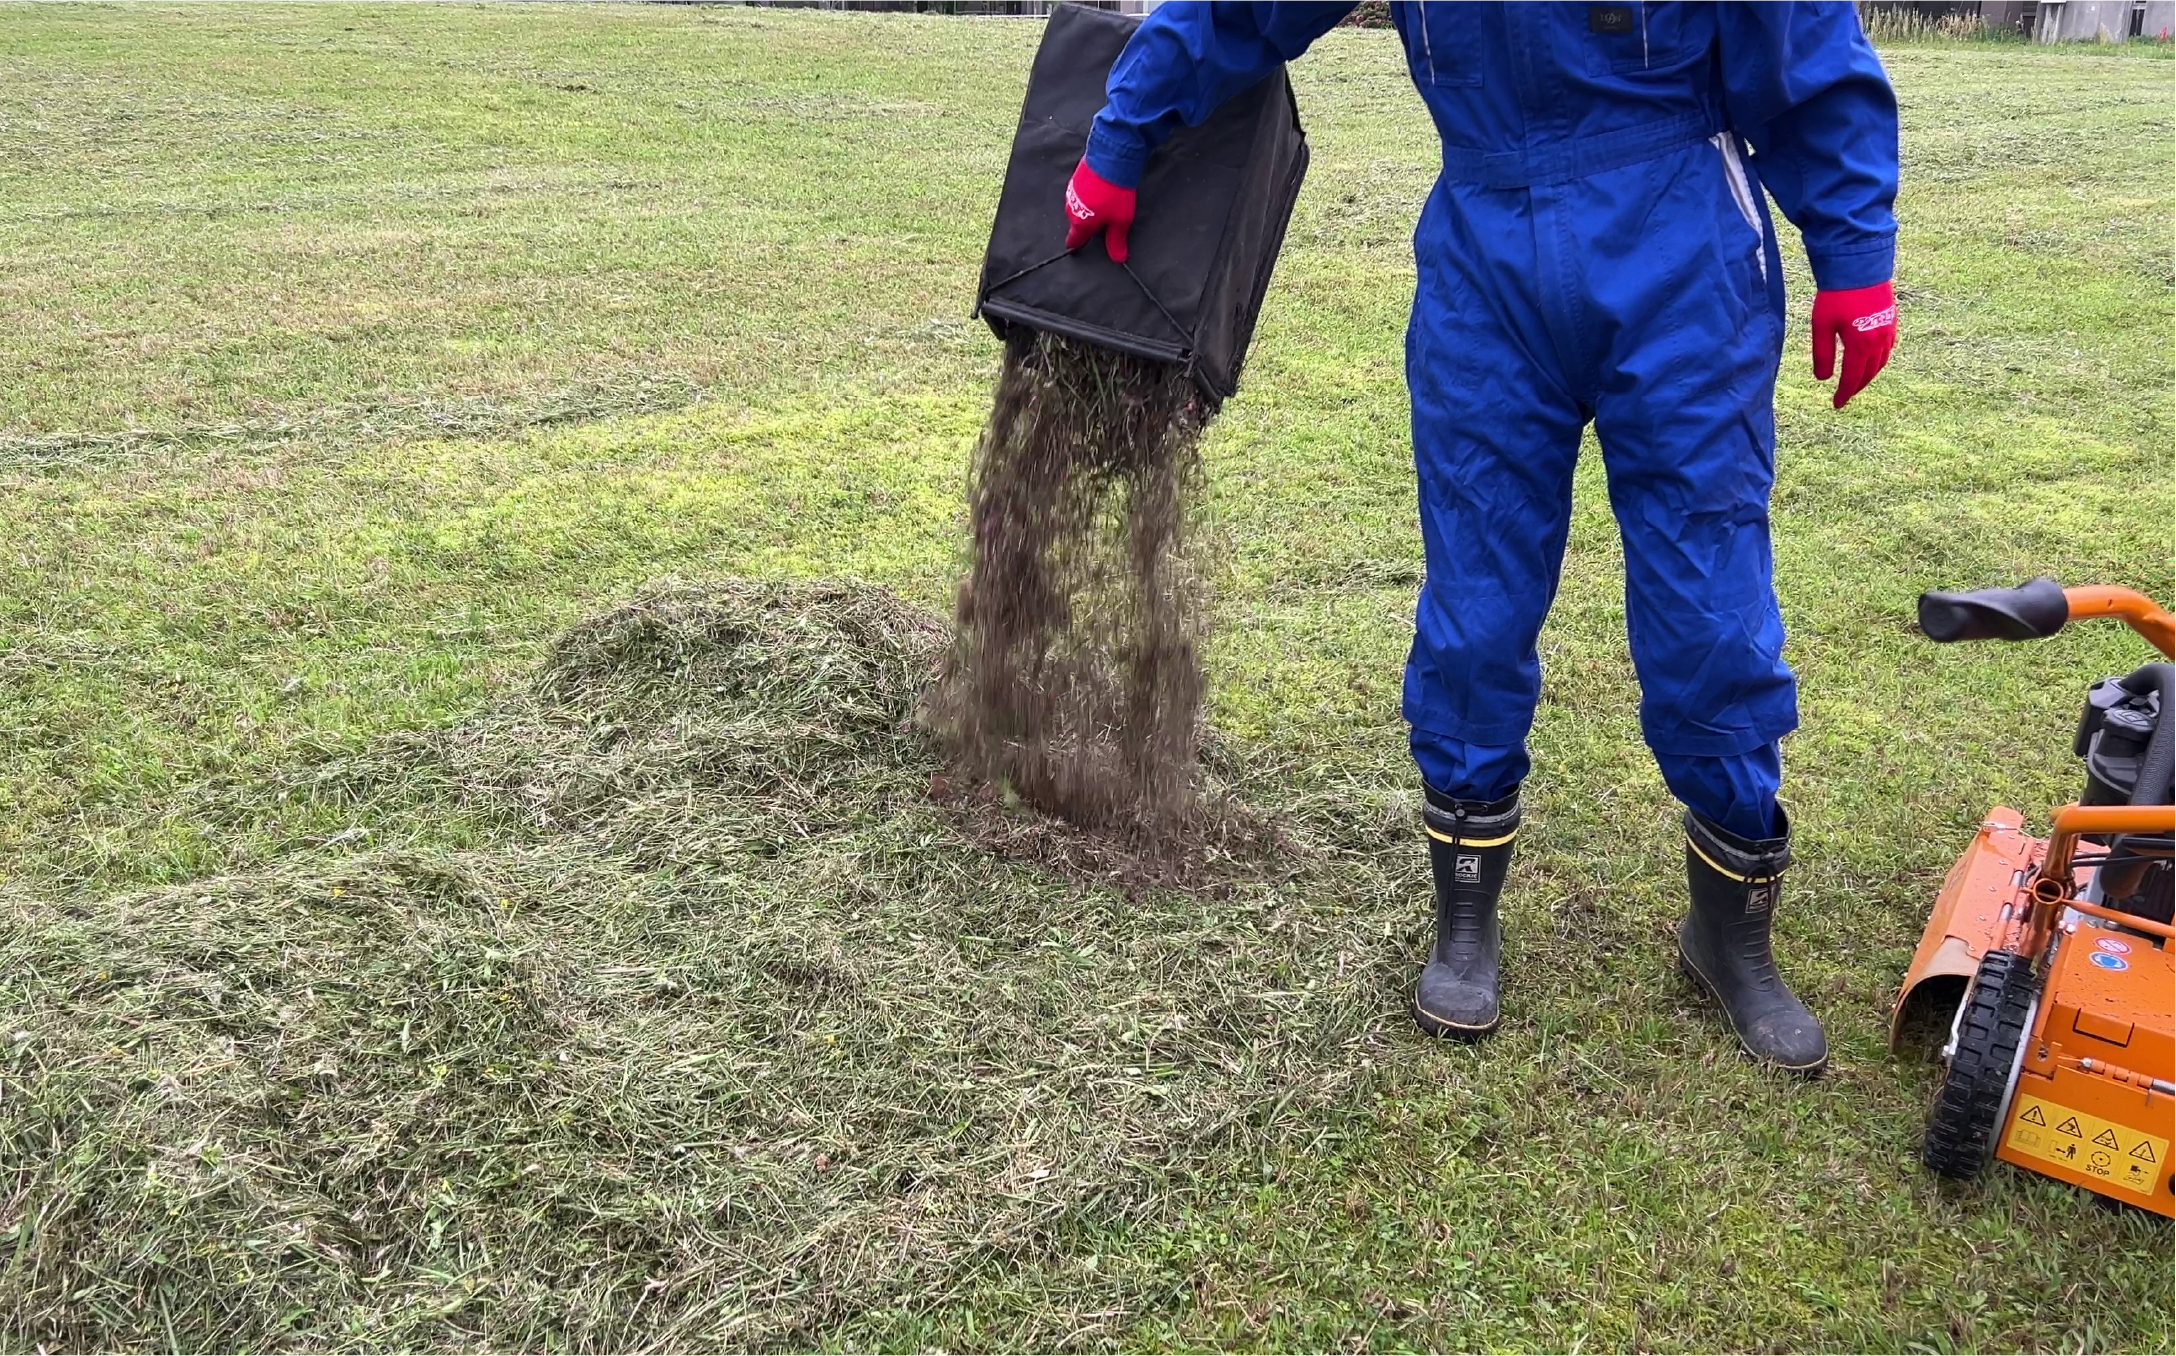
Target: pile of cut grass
{"type": "Point", "coordinates": [729, 1034]}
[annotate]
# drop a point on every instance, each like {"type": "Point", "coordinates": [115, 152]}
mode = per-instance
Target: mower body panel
{"type": "Point", "coordinates": [1977, 912]}
{"type": "Point", "coordinates": [2085, 1109]}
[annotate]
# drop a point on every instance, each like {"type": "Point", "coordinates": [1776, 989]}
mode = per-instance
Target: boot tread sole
{"type": "Point", "coordinates": [1432, 1025]}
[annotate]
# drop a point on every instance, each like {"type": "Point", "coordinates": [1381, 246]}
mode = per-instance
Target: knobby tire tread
{"type": "Point", "coordinates": [1961, 1127]}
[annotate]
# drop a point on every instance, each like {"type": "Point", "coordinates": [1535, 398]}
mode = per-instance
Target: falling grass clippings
{"type": "Point", "coordinates": [1074, 680]}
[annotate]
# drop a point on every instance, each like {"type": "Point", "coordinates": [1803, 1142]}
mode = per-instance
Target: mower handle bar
{"type": "Point", "coordinates": [2037, 609]}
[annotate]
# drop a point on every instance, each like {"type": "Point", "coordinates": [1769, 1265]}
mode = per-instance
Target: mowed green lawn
{"type": "Point", "coordinates": [351, 354]}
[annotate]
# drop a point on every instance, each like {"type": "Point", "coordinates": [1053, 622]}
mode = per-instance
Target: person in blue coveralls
{"type": "Point", "coordinates": [1598, 247]}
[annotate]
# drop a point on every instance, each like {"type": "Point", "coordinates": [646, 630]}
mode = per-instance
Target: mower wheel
{"type": "Point", "coordinates": [1962, 1127]}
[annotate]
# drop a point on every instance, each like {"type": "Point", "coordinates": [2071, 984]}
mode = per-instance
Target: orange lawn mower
{"type": "Point", "coordinates": [2057, 951]}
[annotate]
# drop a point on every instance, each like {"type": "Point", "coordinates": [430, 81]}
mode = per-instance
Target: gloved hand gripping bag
{"type": "Point", "coordinates": [1213, 207]}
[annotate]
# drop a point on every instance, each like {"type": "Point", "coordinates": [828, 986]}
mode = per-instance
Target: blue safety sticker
{"type": "Point", "coordinates": [2108, 962]}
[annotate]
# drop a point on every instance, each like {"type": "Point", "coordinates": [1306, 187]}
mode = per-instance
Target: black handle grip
{"type": "Point", "coordinates": [2033, 610]}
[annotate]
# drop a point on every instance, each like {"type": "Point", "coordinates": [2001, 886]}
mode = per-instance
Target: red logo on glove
{"type": "Point", "coordinates": [1863, 321]}
{"type": "Point", "coordinates": [1094, 204]}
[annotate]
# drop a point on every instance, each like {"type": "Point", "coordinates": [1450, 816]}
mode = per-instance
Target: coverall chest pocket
{"type": "Point", "coordinates": [1626, 39]}
{"type": "Point", "coordinates": [1440, 44]}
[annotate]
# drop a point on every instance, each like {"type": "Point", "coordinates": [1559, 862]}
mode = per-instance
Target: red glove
{"type": "Point", "coordinates": [1094, 202]}
{"type": "Point", "coordinates": [1865, 319]}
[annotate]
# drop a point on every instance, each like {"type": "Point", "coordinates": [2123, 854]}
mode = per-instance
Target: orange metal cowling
{"type": "Point", "coordinates": [1975, 913]}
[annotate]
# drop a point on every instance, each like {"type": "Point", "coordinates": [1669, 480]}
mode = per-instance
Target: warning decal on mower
{"type": "Point", "coordinates": [2114, 1153]}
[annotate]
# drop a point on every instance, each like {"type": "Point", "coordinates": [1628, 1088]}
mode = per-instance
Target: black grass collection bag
{"type": "Point", "coordinates": [1213, 207]}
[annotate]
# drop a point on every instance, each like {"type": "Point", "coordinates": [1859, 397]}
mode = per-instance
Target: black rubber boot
{"type": "Point", "coordinates": [1469, 847]}
{"type": "Point", "coordinates": [1722, 946]}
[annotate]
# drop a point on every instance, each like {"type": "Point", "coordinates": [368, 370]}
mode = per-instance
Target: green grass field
{"type": "Point", "coordinates": [408, 941]}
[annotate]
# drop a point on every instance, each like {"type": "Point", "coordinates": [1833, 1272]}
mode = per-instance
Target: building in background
{"type": "Point", "coordinates": [2048, 22]}
{"type": "Point", "coordinates": [2100, 20]}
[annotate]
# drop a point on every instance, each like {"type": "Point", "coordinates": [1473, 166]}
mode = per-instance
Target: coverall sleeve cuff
{"type": "Point", "coordinates": [1859, 265]}
{"type": "Point", "coordinates": [1118, 154]}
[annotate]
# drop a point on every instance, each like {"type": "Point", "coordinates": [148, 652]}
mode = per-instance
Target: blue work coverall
{"type": "Point", "coordinates": [1597, 247]}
